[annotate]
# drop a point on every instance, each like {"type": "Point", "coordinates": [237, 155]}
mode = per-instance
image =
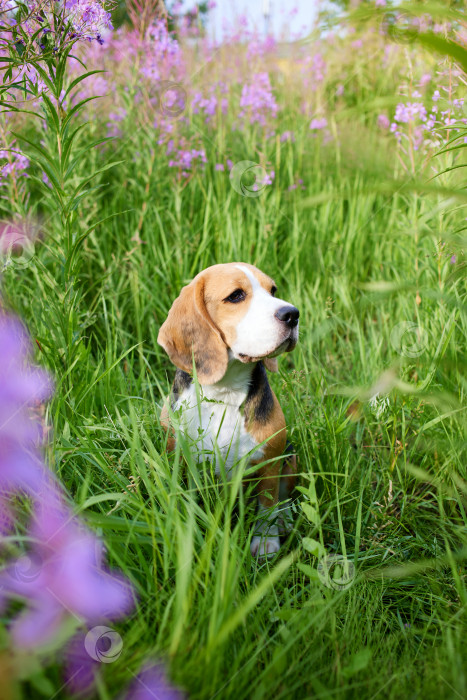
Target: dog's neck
{"type": "Point", "coordinates": [234, 386]}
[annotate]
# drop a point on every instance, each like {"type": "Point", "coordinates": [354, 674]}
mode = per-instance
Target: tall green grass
{"type": "Point", "coordinates": [387, 479]}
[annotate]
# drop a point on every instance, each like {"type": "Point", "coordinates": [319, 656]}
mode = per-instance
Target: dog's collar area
{"type": "Point", "coordinates": [233, 388]}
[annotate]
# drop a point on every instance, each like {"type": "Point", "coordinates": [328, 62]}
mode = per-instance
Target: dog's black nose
{"type": "Point", "coordinates": [288, 315]}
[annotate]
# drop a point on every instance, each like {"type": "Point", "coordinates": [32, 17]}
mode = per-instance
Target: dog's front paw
{"type": "Point", "coordinates": [264, 546]}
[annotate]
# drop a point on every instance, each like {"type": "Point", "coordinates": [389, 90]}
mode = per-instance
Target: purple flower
{"type": "Point", "coordinates": [268, 178]}
{"type": "Point", "coordinates": [383, 121]}
{"type": "Point", "coordinates": [409, 112]}
{"type": "Point", "coordinates": [317, 124]}
{"type": "Point", "coordinates": [219, 167]}
{"type": "Point", "coordinates": [16, 166]}
{"type": "Point", "coordinates": [21, 387]}
{"type": "Point", "coordinates": [88, 19]}
{"type": "Point", "coordinates": [186, 159]}
{"type": "Point", "coordinates": [287, 136]}
{"type": "Point", "coordinates": [152, 683]}
{"type": "Point", "coordinates": [257, 102]}
{"type": "Point", "coordinates": [163, 58]}
{"type": "Point", "coordinates": [80, 668]}
{"type": "Point", "coordinates": [425, 79]}
{"type": "Point", "coordinates": [453, 260]}
{"type": "Point", "coordinates": [212, 103]}
{"type": "Point", "coordinates": [62, 572]}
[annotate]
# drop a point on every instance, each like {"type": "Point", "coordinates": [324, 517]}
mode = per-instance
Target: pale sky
{"type": "Point", "coordinates": [296, 15]}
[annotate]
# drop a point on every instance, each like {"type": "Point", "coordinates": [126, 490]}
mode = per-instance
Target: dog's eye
{"type": "Point", "coordinates": [236, 296]}
{"type": "Point", "coordinates": [273, 291]}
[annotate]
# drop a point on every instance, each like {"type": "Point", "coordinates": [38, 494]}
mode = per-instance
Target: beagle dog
{"type": "Point", "coordinates": [230, 325]}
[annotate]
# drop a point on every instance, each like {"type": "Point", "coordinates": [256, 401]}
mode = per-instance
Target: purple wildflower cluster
{"type": "Point", "coordinates": [62, 575]}
{"type": "Point", "coordinates": [185, 158]}
{"type": "Point", "coordinates": [88, 19]}
{"type": "Point", "coordinates": [62, 22]}
{"type": "Point", "coordinates": [214, 102]}
{"type": "Point", "coordinates": [152, 683]}
{"type": "Point", "coordinates": [14, 166]}
{"type": "Point", "coordinates": [418, 127]}
{"type": "Point", "coordinates": [318, 123]}
{"type": "Point", "coordinates": [314, 68]}
{"type": "Point", "coordinates": [162, 56]}
{"type": "Point", "coordinates": [257, 102]}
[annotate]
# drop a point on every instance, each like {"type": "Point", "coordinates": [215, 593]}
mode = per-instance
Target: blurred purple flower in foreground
{"type": "Point", "coordinates": [21, 386]}
{"type": "Point", "coordinates": [152, 683]}
{"type": "Point", "coordinates": [62, 573]}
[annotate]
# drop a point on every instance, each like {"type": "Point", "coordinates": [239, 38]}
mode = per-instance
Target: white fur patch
{"type": "Point", "coordinates": [259, 333]}
{"type": "Point", "coordinates": [215, 424]}
{"type": "Point", "coordinates": [265, 540]}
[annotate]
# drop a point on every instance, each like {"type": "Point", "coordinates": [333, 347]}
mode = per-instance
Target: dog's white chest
{"type": "Point", "coordinates": [216, 426]}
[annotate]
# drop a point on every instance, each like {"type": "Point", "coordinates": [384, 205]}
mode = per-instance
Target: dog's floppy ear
{"type": "Point", "coordinates": [271, 364]}
{"type": "Point", "coordinates": [189, 332]}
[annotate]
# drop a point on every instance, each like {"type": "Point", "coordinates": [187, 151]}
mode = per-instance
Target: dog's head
{"type": "Point", "coordinates": [228, 307]}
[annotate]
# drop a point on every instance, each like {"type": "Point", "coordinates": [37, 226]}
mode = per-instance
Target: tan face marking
{"type": "Point", "coordinates": [230, 290]}
{"type": "Point", "coordinates": [226, 306]}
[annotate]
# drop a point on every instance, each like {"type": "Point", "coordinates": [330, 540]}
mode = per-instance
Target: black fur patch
{"type": "Point", "coordinates": [259, 401]}
{"type": "Point", "coordinates": [181, 382]}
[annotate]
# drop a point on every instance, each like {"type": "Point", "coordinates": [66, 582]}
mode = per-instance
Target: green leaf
{"type": "Point", "coordinates": [76, 108]}
{"type": "Point", "coordinates": [80, 78]}
{"type": "Point", "coordinates": [82, 152]}
{"type": "Point", "coordinates": [84, 182]}
{"type": "Point", "coordinates": [52, 111]}
{"type": "Point", "coordinates": [40, 150]}
{"type": "Point", "coordinates": [311, 513]}
{"type": "Point", "coordinates": [358, 662]}
{"type": "Point", "coordinates": [83, 237]}
{"type": "Point", "coordinates": [434, 42]}
{"type": "Point", "coordinates": [308, 571]}
{"type": "Point", "coordinates": [314, 547]}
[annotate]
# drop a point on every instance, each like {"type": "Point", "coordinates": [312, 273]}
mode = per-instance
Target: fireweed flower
{"type": "Point", "coordinates": [162, 57]}
{"type": "Point", "coordinates": [14, 165]}
{"type": "Point", "coordinates": [152, 683]}
{"type": "Point", "coordinates": [88, 19]}
{"type": "Point", "coordinates": [257, 102]}
{"type": "Point", "coordinates": [287, 136]}
{"type": "Point", "coordinates": [414, 125]}
{"type": "Point", "coordinates": [62, 573]}
{"type": "Point", "coordinates": [186, 159]}
{"type": "Point", "coordinates": [317, 124]}
{"type": "Point", "coordinates": [212, 103]}
{"type": "Point", "coordinates": [383, 121]}
{"type": "Point", "coordinates": [71, 20]}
